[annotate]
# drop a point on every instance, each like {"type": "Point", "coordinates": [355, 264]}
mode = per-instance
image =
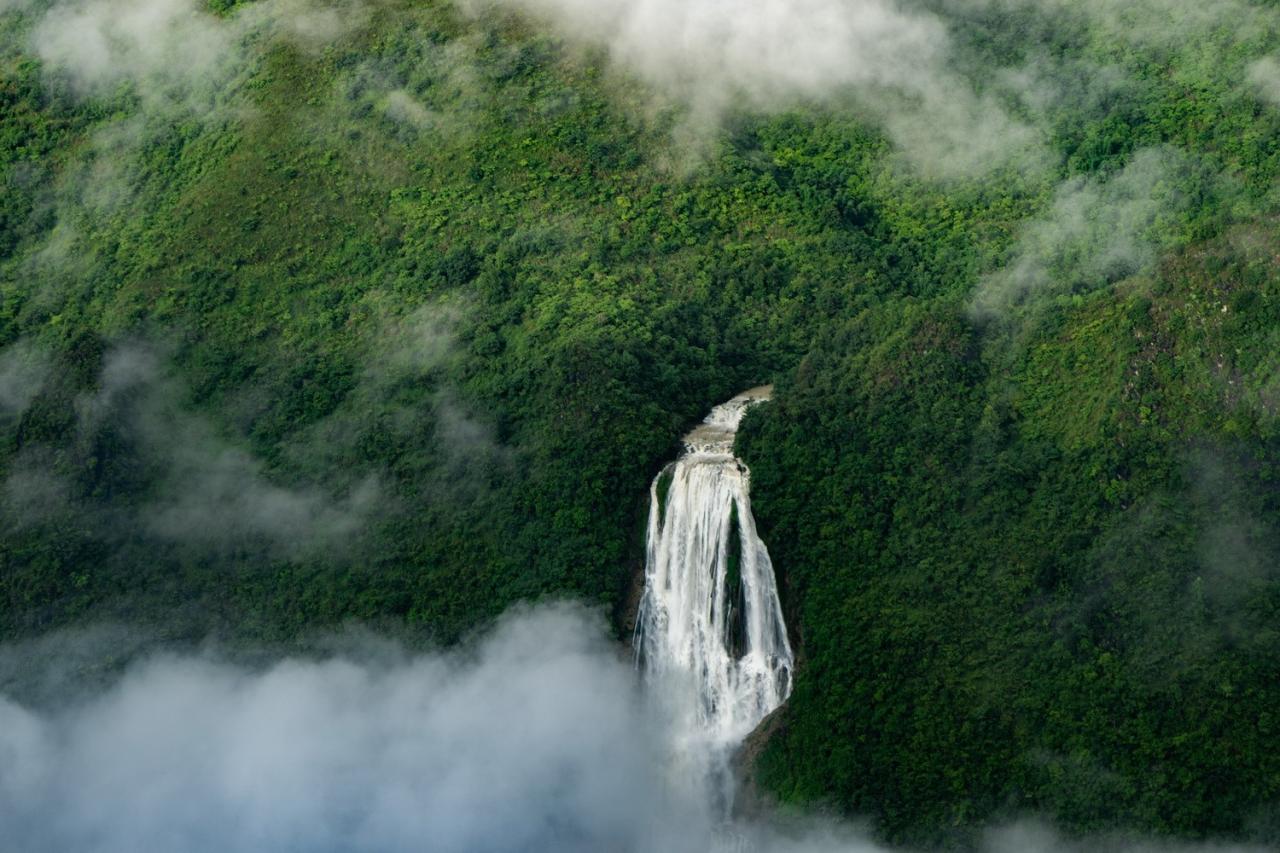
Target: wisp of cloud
{"type": "Point", "coordinates": [716, 55]}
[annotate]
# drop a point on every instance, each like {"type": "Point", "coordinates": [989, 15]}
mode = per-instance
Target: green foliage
{"type": "Point", "coordinates": [1032, 582]}
{"type": "Point", "coordinates": [1028, 563]}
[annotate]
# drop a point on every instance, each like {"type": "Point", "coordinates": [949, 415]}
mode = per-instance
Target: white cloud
{"type": "Point", "coordinates": [176, 51]}
{"type": "Point", "coordinates": [23, 370]}
{"type": "Point", "coordinates": [211, 493]}
{"type": "Point", "coordinates": [537, 738]}
{"type": "Point", "coordinates": [1096, 232]}
{"type": "Point", "coordinates": [165, 42]}
{"type": "Point", "coordinates": [1264, 76]}
{"type": "Point", "coordinates": [537, 741]}
{"type": "Point", "coordinates": [770, 54]}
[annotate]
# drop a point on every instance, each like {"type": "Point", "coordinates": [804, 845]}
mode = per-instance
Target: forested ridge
{"type": "Point", "coordinates": [389, 313]}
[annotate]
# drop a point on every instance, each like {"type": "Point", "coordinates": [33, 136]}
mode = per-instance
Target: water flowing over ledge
{"type": "Point", "coordinates": [710, 632]}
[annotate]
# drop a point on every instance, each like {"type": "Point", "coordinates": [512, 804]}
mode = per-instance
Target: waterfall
{"type": "Point", "coordinates": [710, 631]}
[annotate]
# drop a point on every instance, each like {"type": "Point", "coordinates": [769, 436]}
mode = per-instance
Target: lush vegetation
{"type": "Point", "coordinates": [1049, 588]}
{"type": "Point", "coordinates": [399, 328]}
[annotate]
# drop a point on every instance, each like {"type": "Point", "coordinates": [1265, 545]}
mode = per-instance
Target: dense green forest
{"type": "Point", "coordinates": [390, 312]}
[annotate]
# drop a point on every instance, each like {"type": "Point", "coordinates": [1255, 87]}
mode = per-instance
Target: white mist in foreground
{"type": "Point", "coordinates": [536, 739]}
{"type": "Point", "coordinates": [711, 637]}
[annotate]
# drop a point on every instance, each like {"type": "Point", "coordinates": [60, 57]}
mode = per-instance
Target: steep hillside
{"type": "Point", "coordinates": [314, 312]}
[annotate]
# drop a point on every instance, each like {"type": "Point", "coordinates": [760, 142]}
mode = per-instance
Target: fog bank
{"type": "Point", "coordinates": [534, 738]}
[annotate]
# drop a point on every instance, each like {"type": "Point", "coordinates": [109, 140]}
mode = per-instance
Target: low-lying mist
{"type": "Point", "coordinates": [535, 737]}
{"type": "Point", "coordinates": [532, 740]}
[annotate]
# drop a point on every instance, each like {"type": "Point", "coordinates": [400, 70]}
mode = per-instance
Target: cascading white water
{"type": "Point", "coordinates": [710, 628]}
